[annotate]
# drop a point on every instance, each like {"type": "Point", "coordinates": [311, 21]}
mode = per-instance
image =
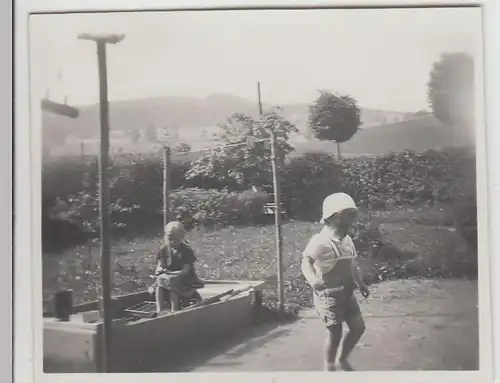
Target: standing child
{"type": "Point", "coordinates": [330, 268]}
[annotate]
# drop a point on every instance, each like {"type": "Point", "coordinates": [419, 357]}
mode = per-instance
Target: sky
{"type": "Point", "coordinates": [382, 58]}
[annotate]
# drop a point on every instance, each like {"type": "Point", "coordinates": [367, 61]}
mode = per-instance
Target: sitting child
{"type": "Point", "coordinates": [175, 270]}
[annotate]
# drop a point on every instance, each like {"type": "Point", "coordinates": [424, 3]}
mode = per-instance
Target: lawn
{"type": "Point", "coordinates": [420, 234]}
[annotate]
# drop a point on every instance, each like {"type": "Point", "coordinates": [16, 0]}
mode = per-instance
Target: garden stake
{"type": "Point", "coordinates": [277, 213]}
{"type": "Point", "coordinates": [166, 185]}
{"type": "Point", "coordinates": [277, 220]}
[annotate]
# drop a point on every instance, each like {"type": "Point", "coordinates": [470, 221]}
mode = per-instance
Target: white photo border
{"type": "Point", "coordinates": [6, 170]}
{"type": "Point", "coordinates": [28, 354]}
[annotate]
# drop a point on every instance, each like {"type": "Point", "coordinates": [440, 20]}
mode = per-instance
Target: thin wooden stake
{"type": "Point", "coordinates": [82, 151]}
{"type": "Point", "coordinates": [260, 102]}
{"type": "Point", "coordinates": [277, 219]}
{"type": "Point", "coordinates": [166, 185]}
{"type": "Point", "coordinates": [277, 213]}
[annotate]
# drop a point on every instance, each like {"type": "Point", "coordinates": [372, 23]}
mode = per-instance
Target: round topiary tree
{"type": "Point", "coordinates": [334, 117]}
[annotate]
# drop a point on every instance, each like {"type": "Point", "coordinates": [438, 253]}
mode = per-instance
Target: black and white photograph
{"type": "Point", "coordinates": [260, 190]}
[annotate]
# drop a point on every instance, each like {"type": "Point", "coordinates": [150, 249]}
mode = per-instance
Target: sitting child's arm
{"type": "Point", "coordinates": [160, 267]}
{"type": "Point", "coordinates": [188, 259]}
{"type": "Point", "coordinates": [186, 269]}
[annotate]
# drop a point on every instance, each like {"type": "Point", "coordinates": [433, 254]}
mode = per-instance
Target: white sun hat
{"type": "Point", "coordinates": [335, 203]}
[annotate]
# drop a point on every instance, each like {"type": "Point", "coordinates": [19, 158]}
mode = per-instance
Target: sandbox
{"type": "Point", "coordinates": [139, 343]}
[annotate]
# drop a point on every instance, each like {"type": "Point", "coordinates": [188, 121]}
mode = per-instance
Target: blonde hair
{"type": "Point", "coordinates": [175, 228]}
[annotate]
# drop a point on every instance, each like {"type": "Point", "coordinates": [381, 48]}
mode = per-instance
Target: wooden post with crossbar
{"type": "Point", "coordinates": [101, 41]}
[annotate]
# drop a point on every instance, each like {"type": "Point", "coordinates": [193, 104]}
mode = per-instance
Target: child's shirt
{"type": "Point", "coordinates": [333, 258]}
{"type": "Point", "coordinates": [174, 259]}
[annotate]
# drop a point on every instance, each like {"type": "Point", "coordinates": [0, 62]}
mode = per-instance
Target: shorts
{"type": "Point", "coordinates": [335, 306]}
{"type": "Point", "coordinates": [176, 284]}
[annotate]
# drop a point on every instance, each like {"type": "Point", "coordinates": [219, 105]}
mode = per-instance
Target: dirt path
{"type": "Point", "coordinates": [411, 325]}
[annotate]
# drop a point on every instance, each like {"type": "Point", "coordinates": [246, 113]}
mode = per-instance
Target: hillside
{"type": "Point", "coordinates": [418, 134]}
{"type": "Point", "coordinates": [194, 121]}
{"type": "Point", "coordinates": [188, 114]}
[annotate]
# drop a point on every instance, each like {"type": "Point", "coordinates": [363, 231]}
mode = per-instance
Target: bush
{"type": "Point", "coordinates": [215, 208]}
{"type": "Point", "coordinates": [408, 178]}
{"type": "Point", "coordinates": [377, 182]}
{"type": "Point", "coordinates": [402, 179]}
{"type": "Point", "coordinates": [306, 181]}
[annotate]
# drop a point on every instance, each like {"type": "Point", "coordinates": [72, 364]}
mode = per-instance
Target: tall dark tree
{"type": "Point", "coordinates": [334, 117]}
{"type": "Point", "coordinates": [451, 90]}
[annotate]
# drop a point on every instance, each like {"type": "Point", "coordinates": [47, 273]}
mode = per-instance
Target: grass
{"type": "Point", "coordinates": [414, 235]}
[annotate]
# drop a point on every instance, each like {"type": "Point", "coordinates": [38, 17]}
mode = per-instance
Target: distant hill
{"type": "Point", "coordinates": [191, 114]}
{"type": "Point", "coordinates": [418, 134]}
{"type": "Point", "coordinates": [194, 121]}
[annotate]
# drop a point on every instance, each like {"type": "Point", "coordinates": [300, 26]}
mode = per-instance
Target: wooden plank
{"type": "Point", "coordinates": [59, 109]}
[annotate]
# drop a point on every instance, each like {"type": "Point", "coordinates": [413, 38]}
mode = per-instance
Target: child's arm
{"type": "Point", "coordinates": [186, 269]}
{"type": "Point", "coordinates": [309, 272]}
{"type": "Point", "coordinates": [357, 274]}
{"type": "Point", "coordinates": [308, 269]}
{"type": "Point", "coordinates": [189, 259]}
{"type": "Point", "coordinates": [359, 279]}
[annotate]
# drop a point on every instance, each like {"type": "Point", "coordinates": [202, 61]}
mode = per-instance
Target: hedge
{"type": "Point", "coordinates": [410, 178]}
{"type": "Point", "coordinates": [378, 182]}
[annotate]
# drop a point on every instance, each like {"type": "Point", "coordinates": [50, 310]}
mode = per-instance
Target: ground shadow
{"type": "Point", "coordinates": [244, 341]}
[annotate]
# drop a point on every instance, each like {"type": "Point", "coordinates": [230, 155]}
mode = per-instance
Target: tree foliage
{"type": "Point", "coordinates": [334, 117]}
{"type": "Point", "coordinates": [421, 113]}
{"type": "Point", "coordinates": [245, 157]}
{"type": "Point", "coordinates": [82, 208]}
{"type": "Point", "coordinates": [451, 89]}
{"type": "Point", "coordinates": [135, 136]}
{"type": "Point", "coordinates": [55, 135]}
{"type": "Point", "coordinates": [170, 136]}
{"type": "Point", "coordinates": [151, 134]}
{"type": "Point", "coordinates": [182, 148]}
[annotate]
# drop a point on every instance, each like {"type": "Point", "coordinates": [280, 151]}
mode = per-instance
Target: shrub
{"type": "Point", "coordinates": [209, 208]}
{"type": "Point", "coordinates": [402, 179]}
{"type": "Point", "coordinates": [408, 178]}
{"type": "Point", "coordinates": [306, 181]}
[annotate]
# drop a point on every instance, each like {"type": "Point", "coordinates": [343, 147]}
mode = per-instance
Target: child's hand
{"type": "Point", "coordinates": [317, 284]}
{"type": "Point", "coordinates": [364, 291]}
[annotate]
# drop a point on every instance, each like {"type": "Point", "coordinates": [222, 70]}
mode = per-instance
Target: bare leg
{"type": "Point", "coordinates": [332, 343]}
{"type": "Point", "coordinates": [160, 300]}
{"type": "Point", "coordinates": [174, 301]}
{"type": "Point", "coordinates": [356, 326]}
